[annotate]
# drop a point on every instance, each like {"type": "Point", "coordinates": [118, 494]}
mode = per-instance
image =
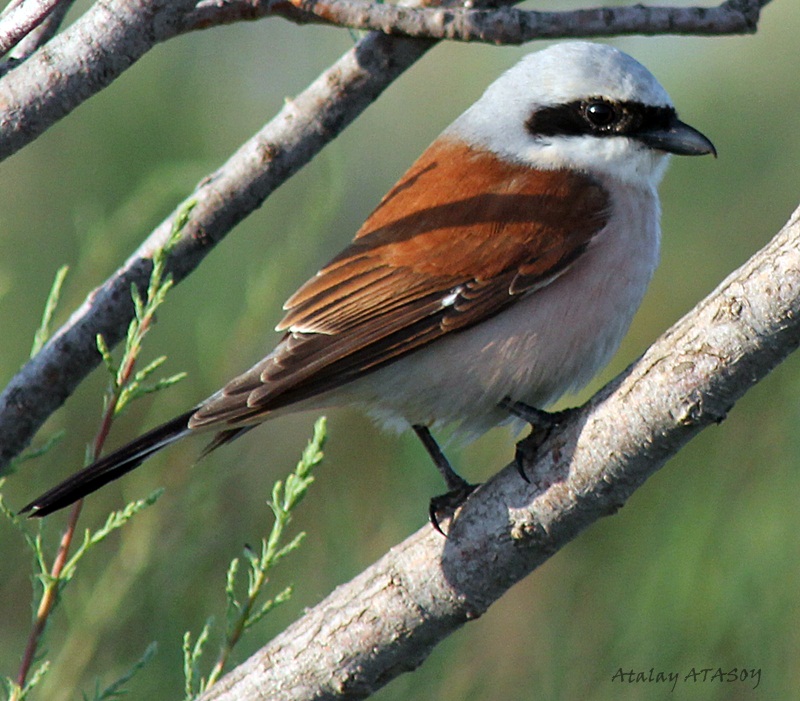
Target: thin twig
{"type": "Point", "coordinates": [159, 285]}
{"type": "Point", "coordinates": [508, 25]}
{"type": "Point", "coordinates": [54, 581]}
{"type": "Point", "coordinates": [49, 595]}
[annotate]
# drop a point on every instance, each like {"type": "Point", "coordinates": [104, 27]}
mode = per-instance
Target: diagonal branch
{"type": "Point", "coordinates": [388, 619]}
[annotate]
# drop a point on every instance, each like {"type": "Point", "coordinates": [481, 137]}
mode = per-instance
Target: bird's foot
{"type": "Point", "coordinates": [542, 425]}
{"type": "Point", "coordinates": [447, 503]}
{"type": "Point", "coordinates": [459, 488]}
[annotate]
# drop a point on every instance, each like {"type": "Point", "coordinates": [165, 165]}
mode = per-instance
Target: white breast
{"type": "Point", "coordinates": [552, 341]}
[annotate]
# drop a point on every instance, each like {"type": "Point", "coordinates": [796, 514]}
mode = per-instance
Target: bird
{"type": "Point", "coordinates": [500, 272]}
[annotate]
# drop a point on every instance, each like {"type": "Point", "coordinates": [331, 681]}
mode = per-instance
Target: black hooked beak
{"type": "Point", "coordinates": [678, 138]}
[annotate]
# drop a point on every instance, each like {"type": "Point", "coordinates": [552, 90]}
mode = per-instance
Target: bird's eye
{"type": "Point", "coordinates": [600, 114]}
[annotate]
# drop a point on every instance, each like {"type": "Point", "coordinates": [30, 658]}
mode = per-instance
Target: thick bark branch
{"type": "Point", "coordinates": [497, 26]}
{"type": "Point", "coordinates": [508, 25]}
{"type": "Point", "coordinates": [388, 619]}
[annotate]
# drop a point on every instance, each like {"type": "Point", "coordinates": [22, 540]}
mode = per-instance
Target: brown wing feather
{"type": "Point", "coordinates": [432, 259]}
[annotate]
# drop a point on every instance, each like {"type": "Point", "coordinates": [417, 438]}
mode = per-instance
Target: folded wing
{"type": "Point", "coordinates": [432, 259]}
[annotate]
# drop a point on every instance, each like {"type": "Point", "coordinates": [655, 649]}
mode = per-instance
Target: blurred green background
{"type": "Point", "coordinates": [700, 568]}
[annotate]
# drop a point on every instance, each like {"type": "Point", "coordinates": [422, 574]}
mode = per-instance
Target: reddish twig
{"type": "Point", "coordinates": [54, 581]}
{"type": "Point", "coordinates": [50, 595]}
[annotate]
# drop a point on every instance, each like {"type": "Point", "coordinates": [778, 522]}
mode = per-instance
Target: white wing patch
{"type": "Point", "coordinates": [450, 299]}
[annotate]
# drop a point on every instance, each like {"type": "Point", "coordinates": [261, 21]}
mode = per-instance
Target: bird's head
{"type": "Point", "coordinates": [581, 106]}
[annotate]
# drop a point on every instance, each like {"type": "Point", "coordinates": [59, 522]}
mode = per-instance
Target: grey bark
{"type": "Point", "coordinates": [508, 25]}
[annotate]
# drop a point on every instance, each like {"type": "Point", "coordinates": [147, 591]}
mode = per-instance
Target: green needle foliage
{"type": "Point", "coordinates": [127, 384]}
{"type": "Point", "coordinates": [16, 693]}
{"type": "Point", "coordinates": [43, 332]}
{"type": "Point", "coordinates": [245, 611]}
{"type": "Point", "coordinates": [45, 448]}
{"type": "Point", "coordinates": [35, 542]}
{"type": "Point", "coordinates": [116, 690]}
{"type": "Point", "coordinates": [115, 520]}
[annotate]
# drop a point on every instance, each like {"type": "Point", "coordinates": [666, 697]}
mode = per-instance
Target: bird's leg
{"type": "Point", "coordinates": [536, 417]}
{"type": "Point", "coordinates": [542, 424]}
{"type": "Point", "coordinates": [458, 488]}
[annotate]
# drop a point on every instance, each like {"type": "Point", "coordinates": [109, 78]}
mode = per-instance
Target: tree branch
{"type": "Point", "coordinates": [498, 26]}
{"type": "Point", "coordinates": [87, 57]}
{"type": "Point", "coordinates": [20, 19]}
{"type": "Point", "coordinates": [388, 619]}
{"type": "Point", "coordinates": [508, 25]}
{"type": "Point", "coordinates": [36, 37]}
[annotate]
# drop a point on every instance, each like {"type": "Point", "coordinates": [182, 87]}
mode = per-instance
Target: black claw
{"type": "Point", "coordinates": [519, 463]}
{"type": "Point", "coordinates": [459, 488]}
{"type": "Point", "coordinates": [542, 424]}
{"type": "Point", "coordinates": [447, 503]}
{"type": "Point", "coordinates": [434, 519]}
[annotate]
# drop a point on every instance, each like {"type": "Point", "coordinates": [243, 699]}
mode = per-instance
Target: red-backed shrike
{"type": "Point", "coordinates": [505, 266]}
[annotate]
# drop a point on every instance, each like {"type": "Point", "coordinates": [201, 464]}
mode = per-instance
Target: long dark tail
{"type": "Point", "coordinates": [110, 467]}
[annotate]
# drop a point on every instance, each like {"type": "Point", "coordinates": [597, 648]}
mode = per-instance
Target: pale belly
{"type": "Point", "coordinates": [550, 342]}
